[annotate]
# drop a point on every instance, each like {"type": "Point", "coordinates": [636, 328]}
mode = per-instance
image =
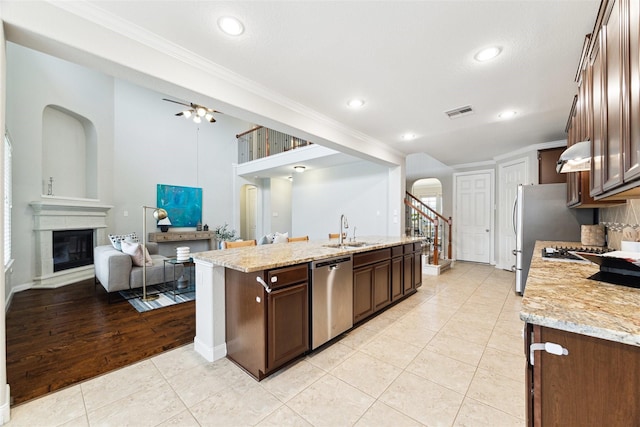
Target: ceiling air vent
{"type": "Point", "coordinates": [459, 112]}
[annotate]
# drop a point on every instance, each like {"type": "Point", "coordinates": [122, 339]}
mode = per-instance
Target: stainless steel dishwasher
{"type": "Point", "coordinates": [331, 298]}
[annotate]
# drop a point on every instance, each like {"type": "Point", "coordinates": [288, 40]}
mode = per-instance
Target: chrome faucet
{"type": "Point", "coordinates": [343, 223]}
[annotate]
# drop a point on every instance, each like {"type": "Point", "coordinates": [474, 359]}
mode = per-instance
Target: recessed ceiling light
{"type": "Point", "coordinates": [488, 53]}
{"type": "Point", "coordinates": [299, 169]}
{"type": "Point", "coordinates": [230, 25]}
{"type": "Point", "coordinates": [355, 103]}
{"type": "Point", "coordinates": [409, 136]}
{"type": "Point", "coordinates": [507, 114]}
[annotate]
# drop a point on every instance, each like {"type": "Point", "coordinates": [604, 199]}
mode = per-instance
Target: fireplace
{"type": "Point", "coordinates": [66, 231]}
{"type": "Point", "coordinates": [72, 248]}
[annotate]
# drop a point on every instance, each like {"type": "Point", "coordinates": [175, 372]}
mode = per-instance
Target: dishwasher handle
{"type": "Point", "coordinates": [263, 283]}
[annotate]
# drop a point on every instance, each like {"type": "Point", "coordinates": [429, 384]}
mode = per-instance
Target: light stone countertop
{"type": "Point", "coordinates": [559, 295]}
{"type": "Point", "coordinates": [262, 257]}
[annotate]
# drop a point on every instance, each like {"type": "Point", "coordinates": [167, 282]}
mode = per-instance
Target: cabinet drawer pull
{"type": "Point", "coordinates": [549, 347]}
{"type": "Point", "coordinates": [264, 284]}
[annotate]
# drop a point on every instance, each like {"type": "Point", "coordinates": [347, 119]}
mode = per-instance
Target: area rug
{"type": "Point", "coordinates": [165, 297]}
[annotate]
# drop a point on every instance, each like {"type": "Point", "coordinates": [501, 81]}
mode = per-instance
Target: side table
{"type": "Point", "coordinates": [181, 286]}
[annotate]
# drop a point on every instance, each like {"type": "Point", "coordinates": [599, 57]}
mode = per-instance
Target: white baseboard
{"type": "Point", "coordinates": [211, 354]}
{"type": "Point", "coordinates": [5, 407]}
{"type": "Point", "coordinates": [15, 290]}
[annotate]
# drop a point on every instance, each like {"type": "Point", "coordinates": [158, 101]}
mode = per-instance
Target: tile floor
{"type": "Point", "coordinates": [452, 354]}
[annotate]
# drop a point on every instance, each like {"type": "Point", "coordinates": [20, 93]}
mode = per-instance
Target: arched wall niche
{"type": "Point", "coordinates": [69, 154]}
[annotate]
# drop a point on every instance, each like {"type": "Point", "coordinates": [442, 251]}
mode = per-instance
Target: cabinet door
{"type": "Point", "coordinates": [632, 146]}
{"type": "Point", "coordinates": [246, 321]}
{"type": "Point", "coordinates": [288, 325]}
{"type": "Point", "coordinates": [407, 278]}
{"type": "Point", "coordinates": [381, 285]}
{"type": "Point", "coordinates": [599, 125]}
{"type": "Point", "coordinates": [396, 278]}
{"type": "Point", "coordinates": [417, 269]}
{"type": "Point", "coordinates": [612, 36]}
{"type": "Point", "coordinates": [362, 293]}
{"type": "Point", "coordinates": [596, 384]}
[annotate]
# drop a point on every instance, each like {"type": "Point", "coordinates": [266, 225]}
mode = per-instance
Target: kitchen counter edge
{"type": "Point", "coordinates": [263, 257]}
{"type": "Point", "coordinates": [559, 295]}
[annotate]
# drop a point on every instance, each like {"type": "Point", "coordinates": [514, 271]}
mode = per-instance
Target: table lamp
{"type": "Point", "coordinates": [164, 224]}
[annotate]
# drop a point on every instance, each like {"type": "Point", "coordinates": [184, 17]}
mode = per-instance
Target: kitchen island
{"type": "Point", "coordinates": [213, 267]}
{"type": "Point", "coordinates": [592, 375]}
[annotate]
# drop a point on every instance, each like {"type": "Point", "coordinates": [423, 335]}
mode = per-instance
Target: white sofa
{"type": "Point", "coordinates": [115, 270]}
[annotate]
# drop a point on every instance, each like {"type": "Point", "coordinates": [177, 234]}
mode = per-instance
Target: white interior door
{"type": "Point", "coordinates": [250, 214]}
{"type": "Point", "coordinates": [473, 216]}
{"type": "Point", "coordinates": [510, 175]}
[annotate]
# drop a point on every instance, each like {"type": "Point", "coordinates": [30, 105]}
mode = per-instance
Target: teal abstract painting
{"type": "Point", "coordinates": [183, 204]}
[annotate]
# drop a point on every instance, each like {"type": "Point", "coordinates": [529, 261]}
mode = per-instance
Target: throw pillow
{"type": "Point", "coordinates": [266, 240]}
{"type": "Point", "coordinates": [117, 238]}
{"type": "Point", "coordinates": [281, 238]}
{"type": "Point", "coordinates": [135, 250]}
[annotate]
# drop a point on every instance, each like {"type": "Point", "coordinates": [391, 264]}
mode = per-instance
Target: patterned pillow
{"type": "Point", "coordinates": [117, 238]}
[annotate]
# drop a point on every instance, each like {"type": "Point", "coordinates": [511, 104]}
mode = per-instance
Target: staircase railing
{"type": "Point", "coordinates": [427, 223]}
{"type": "Point", "coordinates": [262, 142]}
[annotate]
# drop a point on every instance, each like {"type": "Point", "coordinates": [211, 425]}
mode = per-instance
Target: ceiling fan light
{"type": "Point", "coordinates": [186, 113]}
{"type": "Point", "coordinates": [197, 119]}
{"type": "Point", "coordinates": [208, 116]}
{"type": "Point", "coordinates": [201, 111]}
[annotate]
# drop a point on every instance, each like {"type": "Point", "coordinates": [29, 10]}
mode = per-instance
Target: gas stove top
{"type": "Point", "coordinates": [566, 253]}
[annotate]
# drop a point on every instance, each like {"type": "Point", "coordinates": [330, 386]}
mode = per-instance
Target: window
{"type": "Point", "coordinates": [7, 199]}
{"type": "Point", "coordinates": [431, 201]}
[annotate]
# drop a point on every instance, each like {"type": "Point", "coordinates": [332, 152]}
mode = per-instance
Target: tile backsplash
{"type": "Point", "coordinates": [618, 217]}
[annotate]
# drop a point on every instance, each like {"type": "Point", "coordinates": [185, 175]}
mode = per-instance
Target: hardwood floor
{"type": "Point", "coordinates": [59, 337]}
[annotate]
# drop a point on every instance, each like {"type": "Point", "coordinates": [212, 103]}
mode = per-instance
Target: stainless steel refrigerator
{"type": "Point", "coordinates": [540, 213]}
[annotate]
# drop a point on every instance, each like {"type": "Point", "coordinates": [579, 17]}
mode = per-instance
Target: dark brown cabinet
{"type": "Point", "coordinates": [631, 148]}
{"type": "Point", "coordinates": [597, 383]}
{"type": "Point", "coordinates": [287, 325]}
{"type": "Point", "coordinates": [612, 39]}
{"type": "Point", "coordinates": [608, 112]}
{"type": "Point", "coordinates": [371, 282]}
{"type": "Point", "coordinates": [267, 329]}
{"type": "Point", "coordinates": [362, 293]}
{"type": "Point", "coordinates": [397, 264]}
{"type": "Point", "coordinates": [412, 274]}
{"type": "Point", "coordinates": [384, 276]}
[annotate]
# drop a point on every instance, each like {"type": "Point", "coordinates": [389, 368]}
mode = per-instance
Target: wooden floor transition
{"type": "Point", "coordinates": [59, 337]}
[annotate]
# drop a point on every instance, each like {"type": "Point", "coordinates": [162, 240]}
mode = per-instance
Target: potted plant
{"type": "Point", "coordinates": [223, 234]}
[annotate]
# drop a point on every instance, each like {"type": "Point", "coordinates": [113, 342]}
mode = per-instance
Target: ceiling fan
{"type": "Point", "coordinates": [195, 111]}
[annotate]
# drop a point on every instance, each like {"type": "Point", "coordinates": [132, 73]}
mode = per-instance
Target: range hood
{"type": "Point", "coordinates": [576, 158]}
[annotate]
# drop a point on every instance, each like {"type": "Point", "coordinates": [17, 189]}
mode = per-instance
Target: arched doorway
{"type": "Point", "coordinates": [429, 192]}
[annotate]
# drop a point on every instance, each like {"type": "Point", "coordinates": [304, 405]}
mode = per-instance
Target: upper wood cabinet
{"type": "Point", "coordinates": [607, 111]}
{"type": "Point", "coordinates": [613, 39]}
{"type": "Point", "coordinates": [631, 147]}
{"type": "Point", "coordinates": [598, 127]}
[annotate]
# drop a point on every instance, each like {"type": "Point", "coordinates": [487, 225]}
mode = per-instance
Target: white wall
{"type": "Point", "coordinates": [34, 81]}
{"type": "Point", "coordinates": [359, 190]}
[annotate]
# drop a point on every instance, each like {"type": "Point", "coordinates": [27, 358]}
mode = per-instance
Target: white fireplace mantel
{"type": "Point", "coordinates": [64, 214]}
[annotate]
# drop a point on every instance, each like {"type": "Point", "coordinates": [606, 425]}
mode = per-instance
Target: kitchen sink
{"type": "Point", "coordinates": [347, 245]}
